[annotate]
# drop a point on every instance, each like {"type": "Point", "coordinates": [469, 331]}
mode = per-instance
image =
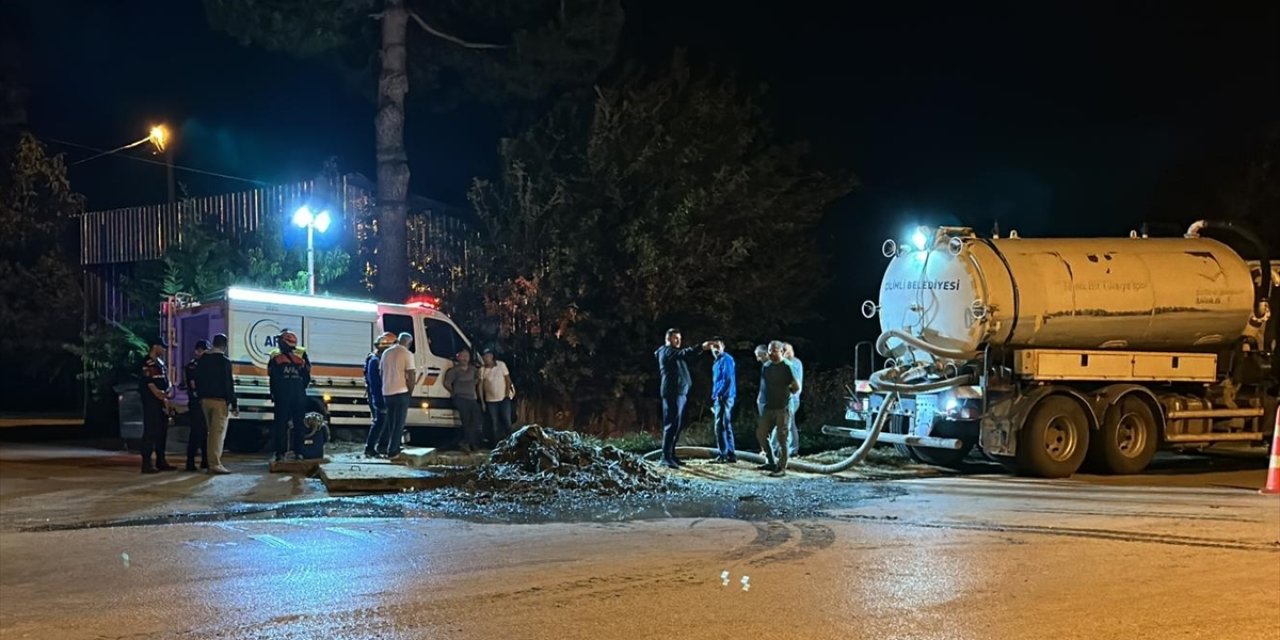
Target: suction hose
{"type": "Point", "coordinates": [801, 465]}
{"type": "Point", "coordinates": [879, 382]}
{"type": "Point", "coordinates": [882, 346]}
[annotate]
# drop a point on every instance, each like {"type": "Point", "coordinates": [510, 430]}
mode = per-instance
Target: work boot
{"type": "Point", "coordinates": [191, 466]}
{"type": "Point", "coordinates": [219, 470]}
{"type": "Point", "coordinates": [165, 466]}
{"type": "Point", "coordinates": [768, 466]}
{"type": "Point", "coordinates": [777, 473]}
{"type": "Point", "coordinates": [150, 469]}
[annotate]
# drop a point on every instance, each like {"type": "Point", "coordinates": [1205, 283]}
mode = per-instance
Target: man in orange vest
{"type": "Point", "coordinates": [289, 371]}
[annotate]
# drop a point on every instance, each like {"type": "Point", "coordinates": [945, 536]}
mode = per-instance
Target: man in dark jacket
{"type": "Point", "coordinates": [153, 387]}
{"type": "Point", "coordinates": [289, 374]}
{"type": "Point", "coordinates": [198, 439]}
{"type": "Point", "coordinates": [217, 390]}
{"type": "Point", "coordinates": [673, 368]}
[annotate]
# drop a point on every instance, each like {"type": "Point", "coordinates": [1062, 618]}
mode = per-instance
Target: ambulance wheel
{"type": "Point", "coordinates": [1054, 440]}
{"type": "Point", "coordinates": [246, 437]}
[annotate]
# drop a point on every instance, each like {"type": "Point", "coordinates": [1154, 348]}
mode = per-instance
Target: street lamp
{"type": "Point", "coordinates": [312, 223]}
{"type": "Point", "coordinates": [159, 138]}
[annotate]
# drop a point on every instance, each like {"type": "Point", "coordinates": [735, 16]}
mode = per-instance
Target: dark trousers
{"type": "Point", "coordinates": [498, 420]}
{"type": "Point", "coordinates": [672, 425]}
{"type": "Point", "coordinates": [469, 414]}
{"type": "Point", "coordinates": [722, 410]}
{"type": "Point", "coordinates": [377, 441]}
{"type": "Point", "coordinates": [288, 409]}
{"type": "Point", "coordinates": [155, 434]}
{"type": "Point", "coordinates": [397, 414]}
{"type": "Point", "coordinates": [198, 439]}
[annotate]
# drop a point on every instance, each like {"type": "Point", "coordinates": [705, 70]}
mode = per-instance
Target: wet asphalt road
{"type": "Point", "coordinates": [974, 557]}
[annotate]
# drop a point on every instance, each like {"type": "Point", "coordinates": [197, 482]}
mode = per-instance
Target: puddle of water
{"type": "Point", "coordinates": [693, 499]}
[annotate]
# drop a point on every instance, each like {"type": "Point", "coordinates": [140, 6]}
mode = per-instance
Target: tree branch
{"type": "Point", "coordinates": [454, 39]}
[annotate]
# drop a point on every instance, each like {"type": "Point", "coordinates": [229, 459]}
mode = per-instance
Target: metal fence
{"type": "Point", "coordinates": [441, 239]}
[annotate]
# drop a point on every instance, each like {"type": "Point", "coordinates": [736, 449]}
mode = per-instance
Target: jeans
{"type": "Point", "coordinates": [215, 419]}
{"type": "Point", "coordinates": [397, 414]}
{"type": "Point", "coordinates": [469, 413]}
{"type": "Point", "coordinates": [793, 431]}
{"type": "Point", "coordinates": [672, 425]}
{"type": "Point", "coordinates": [198, 439]}
{"type": "Point", "coordinates": [775, 421]}
{"type": "Point", "coordinates": [498, 420]}
{"type": "Point", "coordinates": [722, 411]}
{"type": "Point", "coordinates": [376, 442]}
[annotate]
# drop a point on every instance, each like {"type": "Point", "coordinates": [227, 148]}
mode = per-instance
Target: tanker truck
{"type": "Point", "coordinates": [1052, 354]}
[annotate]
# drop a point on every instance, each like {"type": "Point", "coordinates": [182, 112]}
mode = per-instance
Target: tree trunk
{"type": "Point", "coordinates": [393, 162]}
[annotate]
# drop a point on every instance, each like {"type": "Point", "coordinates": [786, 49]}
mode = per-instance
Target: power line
{"type": "Point", "coordinates": [155, 162]}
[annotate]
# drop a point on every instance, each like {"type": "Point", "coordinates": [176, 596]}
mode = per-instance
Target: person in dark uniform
{"type": "Point", "coordinates": [376, 444]}
{"type": "Point", "coordinates": [153, 386]}
{"type": "Point", "coordinates": [673, 369]}
{"type": "Point", "coordinates": [197, 440]}
{"type": "Point", "coordinates": [290, 374]}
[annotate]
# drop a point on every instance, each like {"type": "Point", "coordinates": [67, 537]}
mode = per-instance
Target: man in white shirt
{"type": "Point", "coordinates": [397, 369]}
{"type": "Point", "coordinates": [496, 393]}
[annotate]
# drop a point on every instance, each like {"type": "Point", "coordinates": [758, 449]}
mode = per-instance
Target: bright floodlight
{"type": "Point", "coordinates": [302, 217]}
{"type": "Point", "coordinates": [322, 221]}
{"type": "Point", "coordinates": [918, 240]}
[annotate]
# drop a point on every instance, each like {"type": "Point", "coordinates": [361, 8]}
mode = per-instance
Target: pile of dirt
{"type": "Point", "coordinates": [537, 463]}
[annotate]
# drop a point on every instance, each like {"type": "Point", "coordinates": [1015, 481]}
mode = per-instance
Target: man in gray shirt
{"type": "Point", "coordinates": [777, 383]}
{"type": "Point", "coordinates": [463, 382]}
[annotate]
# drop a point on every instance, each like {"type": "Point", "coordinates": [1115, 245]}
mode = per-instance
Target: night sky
{"type": "Point", "coordinates": [1074, 120]}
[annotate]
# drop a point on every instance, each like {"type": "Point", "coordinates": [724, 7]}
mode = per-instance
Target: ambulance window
{"type": "Point", "coordinates": [398, 324]}
{"type": "Point", "coordinates": [444, 339]}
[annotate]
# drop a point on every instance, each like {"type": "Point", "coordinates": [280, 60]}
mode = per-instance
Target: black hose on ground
{"type": "Point", "coordinates": [800, 465]}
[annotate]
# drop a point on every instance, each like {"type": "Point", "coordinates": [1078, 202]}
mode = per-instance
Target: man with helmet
{"type": "Point", "coordinates": [289, 371]}
{"type": "Point", "coordinates": [376, 444]}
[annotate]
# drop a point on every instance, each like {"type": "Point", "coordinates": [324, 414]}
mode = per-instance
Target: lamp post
{"type": "Point", "coordinates": [312, 223]}
{"type": "Point", "coordinates": [159, 138]}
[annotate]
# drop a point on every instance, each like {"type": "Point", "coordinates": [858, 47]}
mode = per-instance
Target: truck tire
{"type": "Point", "coordinates": [949, 458]}
{"type": "Point", "coordinates": [898, 424]}
{"type": "Point", "coordinates": [1054, 440]}
{"type": "Point", "coordinates": [1127, 440]}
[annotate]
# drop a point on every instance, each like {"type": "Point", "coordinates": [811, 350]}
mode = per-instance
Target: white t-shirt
{"type": "Point", "coordinates": [494, 380]}
{"type": "Point", "coordinates": [393, 365]}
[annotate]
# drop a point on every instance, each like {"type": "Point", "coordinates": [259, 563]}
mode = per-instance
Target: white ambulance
{"type": "Point", "coordinates": [337, 333]}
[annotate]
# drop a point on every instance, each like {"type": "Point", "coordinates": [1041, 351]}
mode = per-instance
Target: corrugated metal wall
{"type": "Point", "coordinates": [135, 234]}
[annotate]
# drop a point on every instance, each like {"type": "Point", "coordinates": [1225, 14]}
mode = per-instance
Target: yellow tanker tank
{"type": "Point", "coordinates": [1170, 294]}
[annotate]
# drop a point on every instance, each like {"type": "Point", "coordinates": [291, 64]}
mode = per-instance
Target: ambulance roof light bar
{"type": "Point", "coordinates": [275, 297]}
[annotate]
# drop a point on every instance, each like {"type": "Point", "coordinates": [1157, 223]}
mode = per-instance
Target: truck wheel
{"type": "Point", "coordinates": [1054, 440]}
{"type": "Point", "coordinates": [245, 437]}
{"type": "Point", "coordinates": [898, 424]}
{"type": "Point", "coordinates": [1127, 440]}
{"type": "Point", "coordinates": [949, 458]}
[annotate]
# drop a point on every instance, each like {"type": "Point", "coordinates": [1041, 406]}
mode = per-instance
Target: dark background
{"type": "Point", "coordinates": [1054, 119]}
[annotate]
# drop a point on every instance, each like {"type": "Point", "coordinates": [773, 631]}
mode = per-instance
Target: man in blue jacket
{"type": "Point", "coordinates": [376, 444]}
{"type": "Point", "coordinates": [724, 390]}
{"type": "Point", "coordinates": [673, 367]}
